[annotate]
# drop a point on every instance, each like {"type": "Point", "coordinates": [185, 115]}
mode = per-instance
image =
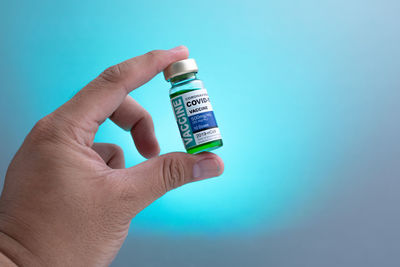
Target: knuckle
{"type": "Point", "coordinates": [173, 173]}
{"type": "Point", "coordinates": [113, 74]}
{"type": "Point", "coordinates": [145, 116]}
{"type": "Point", "coordinates": [53, 128]}
{"type": "Point", "coordinates": [127, 195]}
{"type": "Point", "coordinates": [117, 150]}
{"type": "Point", "coordinates": [154, 56]}
{"type": "Point", "coordinates": [42, 129]}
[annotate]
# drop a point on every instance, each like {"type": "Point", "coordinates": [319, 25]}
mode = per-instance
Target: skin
{"type": "Point", "coordinates": [68, 201]}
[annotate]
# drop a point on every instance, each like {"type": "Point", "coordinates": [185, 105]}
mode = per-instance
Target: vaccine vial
{"type": "Point", "coordinates": [192, 108]}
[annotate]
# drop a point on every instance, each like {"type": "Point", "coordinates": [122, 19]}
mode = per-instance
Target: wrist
{"type": "Point", "coordinates": [13, 253]}
{"type": "Point", "coordinates": [14, 235]}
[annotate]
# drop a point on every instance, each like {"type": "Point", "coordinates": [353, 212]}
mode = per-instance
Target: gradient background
{"type": "Point", "coordinates": [306, 94]}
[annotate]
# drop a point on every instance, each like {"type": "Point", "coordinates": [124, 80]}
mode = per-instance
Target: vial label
{"type": "Point", "coordinates": [195, 118]}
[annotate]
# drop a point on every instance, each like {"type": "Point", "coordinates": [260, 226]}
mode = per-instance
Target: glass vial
{"type": "Point", "coordinates": [192, 108]}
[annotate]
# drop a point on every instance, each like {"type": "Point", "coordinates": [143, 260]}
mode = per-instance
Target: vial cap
{"type": "Point", "coordinates": [180, 67]}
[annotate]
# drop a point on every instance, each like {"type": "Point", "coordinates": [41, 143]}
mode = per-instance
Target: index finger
{"type": "Point", "coordinates": [100, 98]}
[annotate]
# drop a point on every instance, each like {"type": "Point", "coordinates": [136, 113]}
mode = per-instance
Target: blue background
{"type": "Point", "coordinates": [306, 94]}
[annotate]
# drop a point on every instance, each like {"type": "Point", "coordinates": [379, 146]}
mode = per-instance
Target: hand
{"type": "Point", "coordinates": [68, 201]}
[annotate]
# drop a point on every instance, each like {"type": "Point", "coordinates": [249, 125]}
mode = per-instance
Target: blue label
{"type": "Point", "coordinates": [202, 121]}
{"type": "Point", "coordinates": [195, 118]}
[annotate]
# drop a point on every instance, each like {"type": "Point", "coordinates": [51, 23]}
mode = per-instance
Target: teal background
{"type": "Point", "coordinates": [306, 94]}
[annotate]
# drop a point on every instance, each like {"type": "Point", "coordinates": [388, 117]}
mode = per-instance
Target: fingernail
{"type": "Point", "coordinates": [206, 168]}
{"type": "Point", "coordinates": [178, 48]}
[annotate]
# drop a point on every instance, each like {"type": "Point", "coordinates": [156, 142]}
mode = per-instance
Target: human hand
{"type": "Point", "coordinates": [68, 201]}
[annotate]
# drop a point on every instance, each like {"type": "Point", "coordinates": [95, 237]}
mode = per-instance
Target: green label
{"type": "Point", "coordinates": [183, 121]}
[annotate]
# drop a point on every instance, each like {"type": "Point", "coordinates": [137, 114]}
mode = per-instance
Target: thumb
{"type": "Point", "coordinates": [156, 176]}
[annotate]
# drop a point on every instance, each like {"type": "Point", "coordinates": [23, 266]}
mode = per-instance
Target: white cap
{"type": "Point", "coordinates": [180, 67]}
